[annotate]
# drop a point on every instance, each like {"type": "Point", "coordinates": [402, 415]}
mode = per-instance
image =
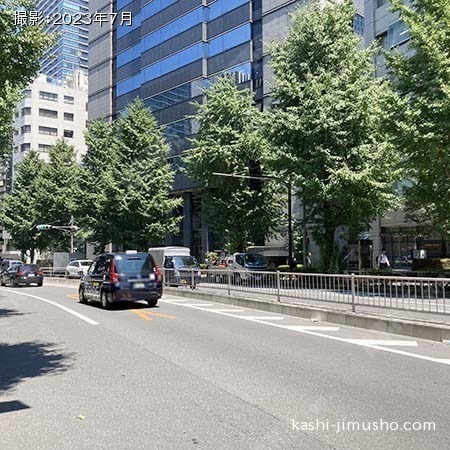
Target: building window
{"type": "Point", "coordinates": [398, 34]}
{"type": "Point", "coordinates": [25, 129]}
{"type": "Point", "coordinates": [358, 24]}
{"type": "Point", "coordinates": [27, 93]}
{"type": "Point", "coordinates": [48, 96]}
{"type": "Point", "coordinates": [25, 147]}
{"type": "Point", "coordinates": [48, 113]}
{"type": "Point", "coordinates": [68, 116]}
{"type": "Point", "coordinates": [26, 111]}
{"type": "Point", "coordinates": [68, 99]}
{"type": "Point", "coordinates": [68, 133]}
{"type": "Point", "coordinates": [44, 147]}
{"type": "Point", "coordinates": [48, 130]}
{"type": "Point", "coordinates": [380, 3]}
{"type": "Point", "coordinates": [383, 40]}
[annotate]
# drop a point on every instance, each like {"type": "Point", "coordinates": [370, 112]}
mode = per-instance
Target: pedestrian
{"type": "Point", "coordinates": [308, 260]}
{"type": "Point", "coordinates": [383, 260]}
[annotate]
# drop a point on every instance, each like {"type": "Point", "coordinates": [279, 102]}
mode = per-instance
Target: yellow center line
{"type": "Point", "coordinates": [166, 316]}
{"type": "Point", "coordinates": [141, 314]}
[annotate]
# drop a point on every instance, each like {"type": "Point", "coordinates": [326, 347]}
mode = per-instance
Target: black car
{"type": "Point", "coordinates": [21, 273]}
{"type": "Point", "coordinates": [121, 277]}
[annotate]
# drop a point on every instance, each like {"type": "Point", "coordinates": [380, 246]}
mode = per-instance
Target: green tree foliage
{"type": "Point", "coordinates": [57, 190]}
{"type": "Point", "coordinates": [422, 124]}
{"type": "Point", "coordinates": [127, 169]}
{"type": "Point", "coordinates": [97, 182]}
{"type": "Point", "coordinates": [21, 47]}
{"type": "Point", "coordinates": [21, 211]}
{"type": "Point", "coordinates": [228, 138]}
{"type": "Point", "coordinates": [327, 129]}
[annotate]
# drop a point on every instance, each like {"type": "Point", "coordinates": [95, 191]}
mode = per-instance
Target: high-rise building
{"type": "Point", "coordinates": [69, 55]}
{"type": "Point", "coordinates": [401, 237]}
{"type": "Point", "coordinates": [172, 50]}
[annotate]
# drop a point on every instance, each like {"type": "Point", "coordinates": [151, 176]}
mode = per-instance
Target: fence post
{"type": "Point", "coordinates": [229, 280]}
{"type": "Point", "coordinates": [278, 285]}
{"type": "Point", "coordinates": [353, 291]}
{"type": "Point", "coordinates": [192, 279]}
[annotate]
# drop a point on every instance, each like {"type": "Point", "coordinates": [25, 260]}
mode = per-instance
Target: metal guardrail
{"type": "Point", "coordinates": [404, 293]}
{"type": "Point", "coordinates": [54, 271]}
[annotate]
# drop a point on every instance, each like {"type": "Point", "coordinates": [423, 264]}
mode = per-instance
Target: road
{"type": "Point", "coordinates": [191, 374]}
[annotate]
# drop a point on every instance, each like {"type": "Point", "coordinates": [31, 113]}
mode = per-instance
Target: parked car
{"type": "Point", "coordinates": [77, 268]}
{"type": "Point", "coordinates": [8, 263]}
{"type": "Point", "coordinates": [121, 277]}
{"type": "Point", "coordinates": [22, 274]}
{"type": "Point", "coordinates": [179, 265]}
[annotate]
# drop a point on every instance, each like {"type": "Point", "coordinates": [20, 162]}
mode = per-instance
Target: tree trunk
{"type": "Point", "coordinates": [327, 249]}
{"type": "Point", "coordinates": [444, 250]}
{"type": "Point", "coordinates": [32, 251]}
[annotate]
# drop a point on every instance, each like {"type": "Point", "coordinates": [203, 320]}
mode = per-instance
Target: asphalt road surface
{"type": "Point", "coordinates": [192, 374]}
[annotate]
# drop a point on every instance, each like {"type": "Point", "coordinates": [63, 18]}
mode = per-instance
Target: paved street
{"type": "Point", "coordinates": [192, 374]}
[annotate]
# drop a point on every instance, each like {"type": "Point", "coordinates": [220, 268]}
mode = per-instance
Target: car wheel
{"type": "Point", "coordinates": [2, 283]}
{"type": "Point", "coordinates": [152, 303]}
{"type": "Point", "coordinates": [13, 283]}
{"type": "Point", "coordinates": [106, 304]}
{"type": "Point", "coordinates": [81, 297]}
{"type": "Point", "coordinates": [40, 284]}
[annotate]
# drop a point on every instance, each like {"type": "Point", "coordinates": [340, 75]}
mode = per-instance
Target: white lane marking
{"type": "Point", "coordinates": [333, 338]}
{"type": "Point", "coordinates": [197, 305]}
{"type": "Point", "coordinates": [311, 328]}
{"type": "Point", "coordinates": [384, 342]}
{"type": "Point", "coordinates": [175, 300]}
{"type": "Point", "coordinates": [73, 286]}
{"type": "Point", "coordinates": [64, 308]}
{"type": "Point", "coordinates": [228, 310]}
{"type": "Point", "coordinates": [262, 317]}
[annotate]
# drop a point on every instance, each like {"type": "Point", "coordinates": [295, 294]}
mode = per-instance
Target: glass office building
{"type": "Point", "coordinates": [70, 52]}
{"type": "Point", "coordinates": [171, 51]}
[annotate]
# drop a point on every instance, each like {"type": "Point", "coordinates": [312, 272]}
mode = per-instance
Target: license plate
{"type": "Point", "coordinates": [31, 275]}
{"type": "Point", "coordinates": [138, 285]}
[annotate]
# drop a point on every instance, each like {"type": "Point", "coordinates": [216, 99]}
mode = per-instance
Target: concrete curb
{"type": "Point", "coordinates": [56, 280]}
{"type": "Point", "coordinates": [402, 326]}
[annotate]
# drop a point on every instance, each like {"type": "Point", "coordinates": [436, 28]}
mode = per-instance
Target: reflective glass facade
{"type": "Point", "coordinates": [70, 52]}
{"type": "Point", "coordinates": [177, 47]}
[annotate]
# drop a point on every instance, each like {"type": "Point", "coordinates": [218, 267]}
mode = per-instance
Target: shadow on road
{"type": "Point", "coordinates": [123, 306]}
{"type": "Point", "coordinates": [5, 312]}
{"type": "Point", "coordinates": [13, 405]}
{"type": "Point", "coordinates": [19, 362]}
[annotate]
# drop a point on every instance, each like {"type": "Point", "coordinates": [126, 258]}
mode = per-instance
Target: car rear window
{"type": "Point", "coordinates": [86, 263]}
{"type": "Point", "coordinates": [31, 267]}
{"type": "Point", "coordinates": [142, 264]}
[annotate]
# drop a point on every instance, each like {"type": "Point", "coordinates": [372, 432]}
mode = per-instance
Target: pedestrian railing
{"type": "Point", "coordinates": [54, 271]}
{"type": "Point", "coordinates": [396, 292]}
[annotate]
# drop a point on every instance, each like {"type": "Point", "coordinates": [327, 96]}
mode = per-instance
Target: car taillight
{"type": "Point", "coordinates": [20, 274]}
{"type": "Point", "coordinates": [114, 276]}
{"type": "Point", "coordinates": [158, 273]}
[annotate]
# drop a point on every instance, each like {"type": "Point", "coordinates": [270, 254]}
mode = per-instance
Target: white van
{"type": "Point", "coordinates": [177, 263]}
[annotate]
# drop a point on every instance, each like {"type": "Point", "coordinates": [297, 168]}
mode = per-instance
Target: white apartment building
{"type": "Point", "coordinates": [51, 110]}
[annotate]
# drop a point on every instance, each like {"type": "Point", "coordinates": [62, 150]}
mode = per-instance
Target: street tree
{"type": "Point", "coordinates": [421, 126]}
{"type": "Point", "coordinates": [21, 211]}
{"type": "Point", "coordinates": [57, 189]}
{"type": "Point", "coordinates": [128, 162]}
{"type": "Point", "coordinates": [96, 183]}
{"type": "Point", "coordinates": [21, 47]}
{"type": "Point", "coordinates": [228, 140]}
{"type": "Point", "coordinates": [326, 124]}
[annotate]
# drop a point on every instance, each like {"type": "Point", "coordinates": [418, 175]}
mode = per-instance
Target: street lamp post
{"type": "Point", "coordinates": [288, 185]}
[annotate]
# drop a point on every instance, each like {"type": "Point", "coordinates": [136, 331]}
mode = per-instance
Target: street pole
{"type": "Point", "coordinates": [71, 235]}
{"type": "Point", "coordinates": [290, 238]}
